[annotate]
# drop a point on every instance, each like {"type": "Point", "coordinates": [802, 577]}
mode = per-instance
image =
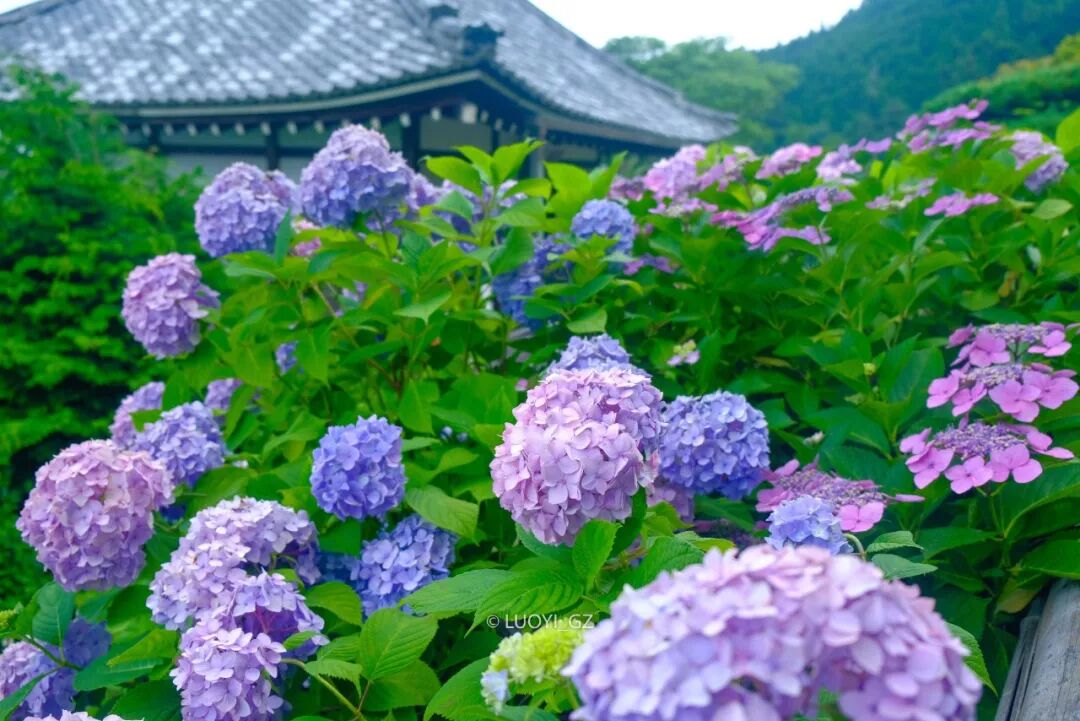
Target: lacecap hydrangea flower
{"type": "Point", "coordinates": [1005, 342]}
{"type": "Point", "coordinates": [787, 160]}
{"type": "Point", "coordinates": [806, 521]}
{"type": "Point", "coordinates": [145, 398]}
{"type": "Point", "coordinates": [398, 562]}
{"type": "Point", "coordinates": [356, 173]}
{"type": "Point", "coordinates": [763, 228]}
{"type": "Point", "coordinates": [528, 658]}
{"type": "Point", "coordinates": [242, 209]}
{"type": "Point", "coordinates": [186, 440]}
{"type": "Point", "coordinates": [759, 634]}
{"type": "Point", "coordinates": [91, 511]}
{"type": "Point", "coordinates": [357, 471]}
{"type": "Point", "coordinates": [608, 219]}
{"type": "Point", "coordinates": [577, 451]}
{"type": "Point", "coordinates": [959, 203]}
{"type": "Point", "coordinates": [163, 302]}
{"type": "Point", "coordinates": [223, 546]}
{"type": "Point", "coordinates": [1018, 389]}
{"type": "Point", "coordinates": [598, 352]}
{"type": "Point", "coordinates": [716, 443]}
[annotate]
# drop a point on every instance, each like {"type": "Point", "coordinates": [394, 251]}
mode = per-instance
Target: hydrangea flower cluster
{"type": "Point", "coordinates": [659, 262]}
{"type": "Point", "coordinates": [219, 394]}
{"type": "Point", "coordinates": [270, 605]}
{"type": "Point", "coordinates": [806, 521]}
{"type": "Point", "coordinates": [971, 455]}
{"type": "Point", "coordinates": [764, 227]}
{"type": "Point", "coordinates": [758, 634]}
{"type": "Point", "coordinates": [674, 178]}
{"type": "Point", "coordinates": [627, 189]}
{"type": "Point", "coordinates": [787, 160]}
{"type": "Point", "coordinates": [398, 562]}
{"type": "Point", "coordinates": [577, 451]}
{"type": "Point", "coordinates": [305, 248]}
{"type": "Point", "coordinates": [1001, 342]}
{"type": "Point", "coordinates": [186, 440]}
{"type": "Point", "coordinates": [608, 219]}
{"type": "Point", "coordinates": [681, 499]}
{"type": "Point", "coordinates": [222, 546]}
{"type": "Point", "coordinates": [904, 196]}
{"type": "Point", "coordinates": [145, 398]}
{"type": "Point", "coordinates": [513, 288]}
{"type": "Point", "coordinates": [934, 130]}
{"type": "Point", "coordinates": [716, 443]}
{"type": "Point", "coordinates": [959, 203]}
{"type": "Point", "coordinates": [528, 658]}
{"type": "Point", "coordinates": [684, 354]}
{"type": "Point", "coordinates": [285, 357]}
{"type": "Point", "coordinates": [837, 165]}
{"type": "Point", "coordinates": [72, 716]}
{"type": "Point", "coordinates": [357, 472]}
{"type": "Point", "coordinates": [597, 351]}
{"type": "Point", "coordinates": [728, 170]}
{"type": "Point", "coordinates": [163, 302]}
{"type": "Point", "coordinates": [90, 512]}
{"type": "Point", "coordinates": [356, 173]}
{"type": "Point", "coordinates": [1018, 389]}
{"type": "Point", "coordinates": [1028, 147]}
{"type": "Point", "coordinates": [242, 209]}
{"type": "Point", "coordinates": [859, 505]}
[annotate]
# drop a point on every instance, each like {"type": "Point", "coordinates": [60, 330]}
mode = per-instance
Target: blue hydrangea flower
{"type": "Point", "coordinates": [608, 219]}
{"type": "Point", "coordinates": [85, 641]}
{"type": "Point", "coordinates": [806, 521]}
{"type": "Point", "coordinates": [242, 209]}
{"type": "Point", "coordinates": [186, 440]}
{"type": "Point", "coordinates": [357, 471]}
{"type": "Point", "coordinates": [144, 398]}
{"type": "Point", "coordinates": [355, 173]}
{"type": "Point", "coordinates": [398, 562]}
{"type": "Point", "coordinates": [513, 288]}
{"type": "Point", "coordinates": [598, 351]}
{"type": "Point", "coordinates": [285, 357]}
{"type": "Point", "coordinates": [219, 393]}
{"type": "Point", "coordinates": [717, 443]}
{"type": "Point", "coordinates": [337, 567]}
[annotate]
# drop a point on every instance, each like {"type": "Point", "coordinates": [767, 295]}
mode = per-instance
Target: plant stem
{"type": "Point", "coordinates": [354, 710]}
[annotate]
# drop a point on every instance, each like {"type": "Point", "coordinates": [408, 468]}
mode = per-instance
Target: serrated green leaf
{"type": "Point", "coordinates": [975, 661]}
{"type": "Point", "coordinates": [460, 699]}
{"type": "Point", "coordinates": [414, 685]}
{"type": "Point", "coordinates": [592, 548]}
{"type": "Point", "coordinates": [424, 309]}
{"type": "Point", "coordinates": [456, 594]}
{"type": "Point", "coordinates": [313, 352]}
{"type": "Point", "coordinates": [665, 554]}
{"type": "Point", "coordinates": [339, 599]}
{"type": "Point", "coordinates": [297, 640]}
{"type": "Point", "coordinates": [149, 701]}
{"type": "Point", "coordinates": [158, 644]}
{"type": "Point", "coordinates": [1055, 558]}
{"type": "Point", "coordinates": [898, 567]}
{"type": "Point", "coordinates": [335, 668]}
{"type": "Point", "coordinates": [453, 514]}
{"type": "Point", "coordinates": [100, 674]}
{"type": "Point", "coordinates": [56, 607]}
{"type": "Point", "coordinates": [391, 641]}
{"type": "Point", "coordinates": [538, 590]}
{"type": "Point", "coordinates": [892, 541]}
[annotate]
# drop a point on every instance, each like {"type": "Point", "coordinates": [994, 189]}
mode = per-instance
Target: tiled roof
{"type": "Point", "coordinates": [155, 53]}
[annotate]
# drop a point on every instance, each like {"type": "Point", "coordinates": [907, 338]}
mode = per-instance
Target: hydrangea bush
{"type": "Point", "coordinates": [743, 437]}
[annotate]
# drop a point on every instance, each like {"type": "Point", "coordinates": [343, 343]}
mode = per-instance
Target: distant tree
{"type": "Point", "coordinates": [636, 50]}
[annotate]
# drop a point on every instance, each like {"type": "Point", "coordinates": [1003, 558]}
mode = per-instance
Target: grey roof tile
{"type": "Point", "coordinates": [169, 52]}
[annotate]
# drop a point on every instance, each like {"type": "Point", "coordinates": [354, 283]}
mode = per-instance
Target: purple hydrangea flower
{"type": "Point", "coordinates": [598, 352]}
{"type": "Point", "coordinates": [398, 562]}
{"type": "Point", "coordinates": [648, 260]}
{"type": "Point", "coordinates": [858, 504]}
{"type": "Point", "coordinates": [74, 716]}
{"type": "Point", "coordinates": [513, 288]}
{"type": "Point", "coordinates": [608, 219]}
{"type": "Point", "coordinates": [356, 173]}
{"type": "Point", "coordinates": [959, 203]}
{"type": "Point", "coordinates": [806, 521]}
{"type": "Point", "coordinates": [1029, 146]}
{"type": "Point", "coordinates": [676, 177]}
{"type": "Point", "coordinates": [577, 451]}
{"type": "Point", "coordinates": [91, 511]}
{"type": "Point", "coordinates": [764, 227]}
{"type": "Point", "coordinates": [627, 189]}
{"type": "Point", "coordinates": [759, 634]}
{"type": "Point", "coordinates": [270, 605]}
{"type": "Point", "coordinates": [904, 196]}
{"type": "Point", "coordinates": [145, 398]}
{"type": "Point", "coordinates": [219, 393]}
{"type": "Point", "coordinates": [727, 171]}
{"type": "Point", "coordinates": [85, 641]}
{"type": "Point", "coordinates": [20, 663]}
{"type": "Point", "coordinates": [285, 357]}
{"type": "Point", "coordinates": [787, 160]}
{"type": "Point", "coordinates": [357, 471]}
{"type": "Point", "coordinates": [934, 130]}
{"type": "Point", "coordinates": [242, 209]}
{"type": "Point", "coordinates": [163, 302]}
{"type": "Point", "coordinates": [971, 455]}
{"type": "Point", "coordinates": [1018, 389]}
{"type": "Point", "coordinates": [337, 567]}
{"type": "Point", "coordinates": [717, 443]}
{"type": "Point", "coordinates": [224, 543]}
{"type": "Point", "coordinates": [1003, 342]}
{"type": "Point", "coordinates": [186, 440]}
{"type": "Point", "coordinates": [681, 499]}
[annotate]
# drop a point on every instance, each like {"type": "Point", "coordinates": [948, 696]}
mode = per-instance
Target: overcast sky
{"type": "Point", "coordinates": [746, 23]}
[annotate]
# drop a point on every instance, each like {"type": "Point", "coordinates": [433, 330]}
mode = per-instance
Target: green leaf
{"type": "Point", "coordinates": [1067, 136]}
{"type": "Point", "coordinates": [339, 599]}
{"type": "Point", "coordinates": [460, 699]}
{"type": "Point", "coordinates": [297, 640]}
{"type": "Point", "coordinates": [897, 567]}
{"type": "Point", "coordinates": [414, 411]}
{"type": "Point", "coordinates": [591, 321]}
{"type": "Point", "coordinates": [892, 541]}
{"type": "Point", "coordinates": [592, 547]}
{"type": "Point", "coordinates": [1019, 498]}
{"type": "Point", "coordinates": [451, 458]}
{"type": "Point", "coordinates": [457, 593]}
{"type": "Point", "coordinates": [391, 641]}
{"type": "Point", "coordinates": [453, 514]}
{"type": "Point", "coordinates": [527, 713]}
{"type": "Point", "coordinates": [149, 701]}
{"type": "Point", "coordinates": [55, 610]}
{"type": "Point", "coordinates": [1052, 208]}
{"type": "Point", "coordinates": [666, 554]}
{"type": "Point", "coordinates": [1055, 558]}
{"type": "Point", "coordinates": [159, 643]}
{"type": "Point", "coordinates": [939, 540]}
{"type": "Point", "coordinates": [976, 661]}
{"type": "Point", "coordinates": [562, 554]}
{"type": "Point", "coordinates": [457, 171]}
{"type": "Point", "coordinates": [335, 668]}
{"type": "Point", "coordinates": [313, 352]}
{"type": "Point", "coordinates": [9, 703]}
{"type": "Point", "coordinates": [100, 674]}
{"type": "Point", "coordinates": [424, 309]}
{"type": "Point", "coordinates": [538, 590]}
{"type": "Point", "coordinates": [631, 527]}
{"type": "Point", "coordinates": [414, 685]}
{"type": "Point", "coordinates": [283, 239]}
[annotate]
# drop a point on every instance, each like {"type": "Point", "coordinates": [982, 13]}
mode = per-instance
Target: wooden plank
{"type": "Point", "coordinates": [1044, 680]}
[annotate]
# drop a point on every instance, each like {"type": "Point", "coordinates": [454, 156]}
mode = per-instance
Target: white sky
{"type": "Point", "coordinates": [746, 23]}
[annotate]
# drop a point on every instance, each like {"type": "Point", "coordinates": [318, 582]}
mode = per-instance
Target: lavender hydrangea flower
{"type": "Point", "coordinates": [787, 160]}
{"type": "Point", "coordinates": [145, 398]}
{"type": "Point", "coordinates": [681, 499]}
{"type": "Point", "coordinates": [1029, 146]}
{"type": "Point", "coordinates": [357, 471]}
{"type": "Point", "coordinates": [648, 260]}
{"type": "Point", "coordinates": [806, 521]}
{"type": "Point", "coordinates": [598, 352]}
{"type": "Point", "coordinates": [74, 716]}
{"type": "Point", "coordinates": [627, 189]}
{"type": "Point", "coordinates": [608, 219]}
{"type": "Point", "coordinates": [20, 663]}
{"type": "Point", "coordinates": [959, 203]}
{"type": "Point", "coordinates": [268, 604]}
{"type": "Point", "coordinates": [398, 562]}
{"type": "Point", "coordinates": [763, 228]}
{"type": "Point", "coordinates": [356, 173]}
{"type": "Point", "coordinates": [716, 443]}
{"type": "Point", "coordinates": [163, 302]}
{"type": "Point", "coordinates": [675, 177]}
{"type": "Point", "coordinates": [858, 504]}
{"type": "Point", "coordinates": [904, 196]}
{"type": "Point", "coordinates": [973, 454]}
{"type": "Point", "coordinates": [727, 171]}
{"type": "Point", "coordinates": [577, 451]}
{"type": "Point", "coordinates": [85, 641]}
{"type": "Point", "coordinates": [285, 357]}
{"type": "Point", "coordinates": [513, 288]}
{"type": "Point", "coordinates": [242, 209]}
{"type": "Point", "coordinates": [91, 511]}
{"type": "Point", "coordinates": [219, 393]}
{"type": "Point", "coordinates": [759, 634]}
{"type": "Point", "coordinates": [934, 130]}
{"type": "Point", "coordinates": [186, 440]}
{"type": "Point", "coordinates": [223, 544]}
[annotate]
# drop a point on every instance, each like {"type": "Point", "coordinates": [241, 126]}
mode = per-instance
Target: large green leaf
{"type": "Point", "coordinates": [665, 554]}
{"type": "Point", "coordinates": [414, 685]}
{"type": "Point", "coordinates": [1055, 558]}
{"type": "Point", "coordinates": [453, 514]}
{"type": "Point", "coordinates": [1062, 481]}
{"type": "Point", "coordinates": [456, 594]}
{"type": "Point", "coordinates": [391, 641]}
{"type": "Point", "coordinates": [150, 701]}
{"type": "Point", "coordinates": [538, 590]}
{"type": "Point", "coordinates": [100, 673]}
{"type": "Point", "coordinates": [460, 699]}
{"type": "Point", "coordinates": [975, 660]}
{"type": "Point", "coordinates": [339, 599]}
{"type": "Point", "coordinates": [592, 547]}
{"type": "Point", "coordinates": [56, 607]}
